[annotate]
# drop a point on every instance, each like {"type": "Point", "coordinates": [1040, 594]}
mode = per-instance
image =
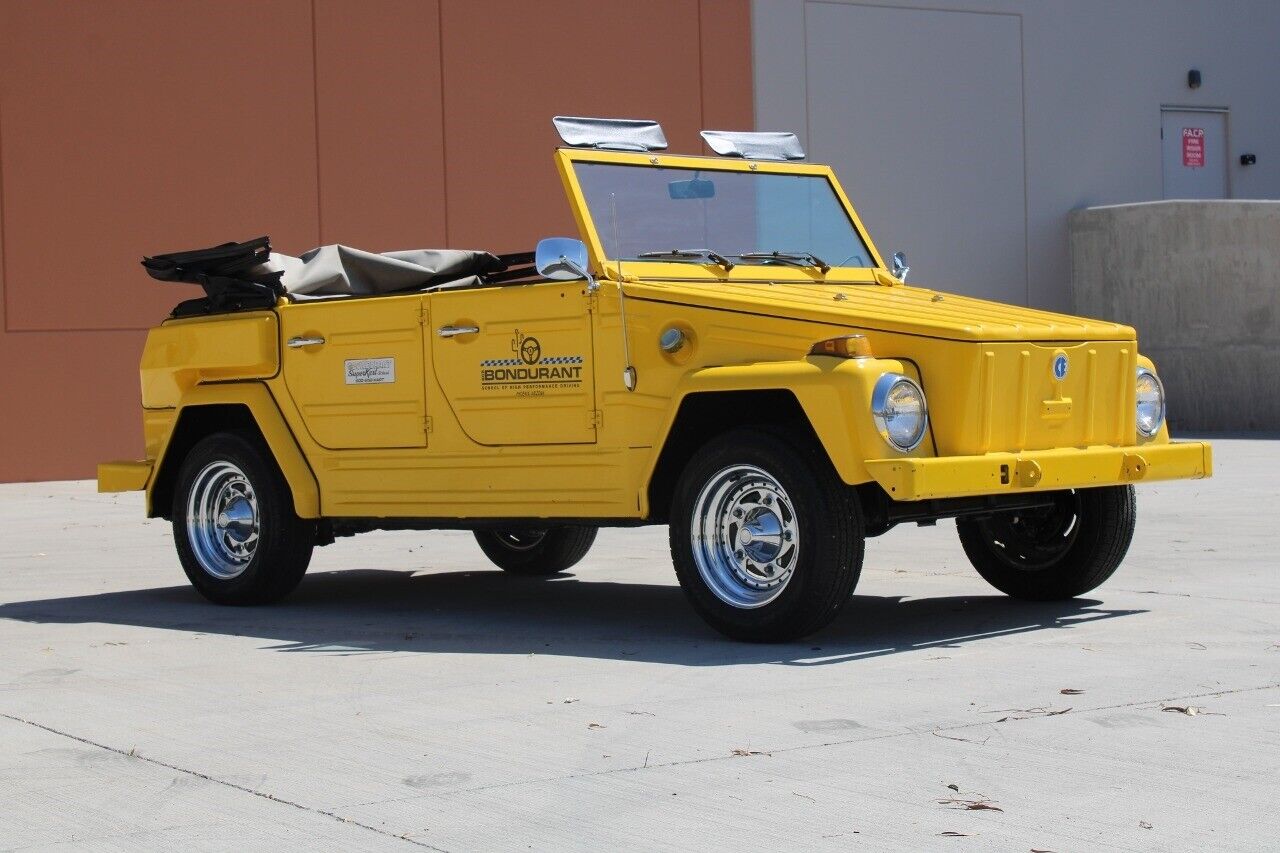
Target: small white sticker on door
{"type": "Point", "coordinates": [370, 371]}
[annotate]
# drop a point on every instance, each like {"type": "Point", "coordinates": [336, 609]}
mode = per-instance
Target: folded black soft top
{"type": "Point", "coordinates": [240, 276]}
{"type": "Point", "coordinates": [226, 272]}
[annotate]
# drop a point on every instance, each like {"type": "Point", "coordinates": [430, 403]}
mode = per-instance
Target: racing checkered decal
{"type": "Point", "coordinates": [515, 362]}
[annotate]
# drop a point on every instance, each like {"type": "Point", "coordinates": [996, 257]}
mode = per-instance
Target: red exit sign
{"type": "Point", "coordinates": [1193, 147]}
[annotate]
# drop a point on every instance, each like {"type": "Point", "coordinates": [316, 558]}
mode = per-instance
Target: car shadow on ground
{"type": "Point", "coordinates": [489, 612]}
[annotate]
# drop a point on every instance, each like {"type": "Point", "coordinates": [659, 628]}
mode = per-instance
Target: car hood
{"type": "Point", "coordinates": [903, 309]}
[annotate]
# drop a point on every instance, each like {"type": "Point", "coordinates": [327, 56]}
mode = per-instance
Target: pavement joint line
{"type": "Point", "coordinates": [196, 773]}
{"type": "Point", "coordinates": [1195, 596]}
{"type": "Point", "coordinates": [802, 747]}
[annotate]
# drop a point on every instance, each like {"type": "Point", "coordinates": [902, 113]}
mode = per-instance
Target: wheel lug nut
{"type": "Point", "coordinates": [768, 500]}
{"type": "Point", "coordinates": [786, 536]}
{"type": "Point", "coordinates": [737, 513]}
{"type": "Point", "coordinates": [739, 554]}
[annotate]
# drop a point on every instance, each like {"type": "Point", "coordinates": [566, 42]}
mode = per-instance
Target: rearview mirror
{"type": "Point", "coordinates": [562, 259]}
{"type": "Point", "coordinates": [692, 188]}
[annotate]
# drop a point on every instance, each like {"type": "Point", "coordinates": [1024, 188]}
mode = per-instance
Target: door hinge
{"type": "Point", "coordinates": [595, 419]}
{"type": "Point", "coordinates": [593, 301]}
{"type": "Point", "coordinates": [422, 314]}
{"type": "Point", "coordinates": [427, 424]}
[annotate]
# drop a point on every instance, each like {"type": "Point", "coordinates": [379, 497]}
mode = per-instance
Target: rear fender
{"type": "Point", "coordinates": [204, 409]}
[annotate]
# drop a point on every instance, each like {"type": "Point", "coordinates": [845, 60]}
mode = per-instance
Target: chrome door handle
{"type": "Point", "coordinates": [294, 343]}
{"type": "Point", "coordinates": [454, 331]}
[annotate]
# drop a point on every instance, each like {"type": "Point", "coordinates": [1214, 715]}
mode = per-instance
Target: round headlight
{"type": "Point", "coordinates": [1150, 403]}
{"type": "Point", "coordinates": [898, 407]}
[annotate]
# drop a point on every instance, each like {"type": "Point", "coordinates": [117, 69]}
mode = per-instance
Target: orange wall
{"type": "Point", "coordinates": [133, 127]}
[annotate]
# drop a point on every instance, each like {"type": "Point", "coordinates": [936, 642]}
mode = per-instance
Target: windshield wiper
{"type": "Point", "coordinates": [691, 255]}
{"type": "Point", "coordinates": [797, 259]}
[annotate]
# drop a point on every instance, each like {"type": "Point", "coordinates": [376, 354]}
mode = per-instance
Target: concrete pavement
{"type": "Point", "coordinates": [409, 695]}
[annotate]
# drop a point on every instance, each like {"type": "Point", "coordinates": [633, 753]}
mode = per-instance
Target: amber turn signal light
{"type": "Point", "coordinates": [846, 346]}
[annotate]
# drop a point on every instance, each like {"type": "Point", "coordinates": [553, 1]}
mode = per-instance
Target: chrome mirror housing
{"type": "Point", "coordinates": [900, 268]}
{"type": "Point", "coordinates": [563, 259]}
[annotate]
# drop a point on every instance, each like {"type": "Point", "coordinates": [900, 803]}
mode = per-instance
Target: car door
{"type": "Point", "coordinates": [354, 368]}
{"type": "Point", "coordinates": [514, 362]}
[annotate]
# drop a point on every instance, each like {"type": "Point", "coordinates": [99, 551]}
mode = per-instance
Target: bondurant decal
{"type": "Point", "coordinates": [568, 373]}
{"type": "Point", "coordinates": [530, 372]}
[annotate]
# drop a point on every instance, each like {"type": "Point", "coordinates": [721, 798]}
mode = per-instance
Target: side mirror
{"type": "Point", "coordinates": [563, 259]}
{"type": "Point", "coordinates": [900, 268]}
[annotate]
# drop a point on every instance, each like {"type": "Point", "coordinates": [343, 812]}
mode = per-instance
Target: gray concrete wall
{"type": "Point", "coordinates": [966, 130]}
{"type": "Point", "coordinates": [1200, 280]}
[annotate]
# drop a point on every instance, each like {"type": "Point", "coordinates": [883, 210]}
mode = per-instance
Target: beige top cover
{"type": "Point", "coordinates": [343, 271]}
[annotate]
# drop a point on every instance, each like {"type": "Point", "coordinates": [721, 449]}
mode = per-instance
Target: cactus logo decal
{"type": "Point", "coordinates": [530, 373]}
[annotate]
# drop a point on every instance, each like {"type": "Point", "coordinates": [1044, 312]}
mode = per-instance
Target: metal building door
{"type": "Point", "coordinates": [1194, 146]}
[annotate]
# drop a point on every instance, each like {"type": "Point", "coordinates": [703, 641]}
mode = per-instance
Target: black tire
{"type": "Point", "coordinates": [1054, 554]}
{"type": "Point", "coordinates": [282, 547]}
{"type": "Point", "coordinates": [536, 552]}
{"type": "Point", "coordinates": [821, 514]}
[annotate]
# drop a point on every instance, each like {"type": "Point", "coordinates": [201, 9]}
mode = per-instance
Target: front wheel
{"type": "Point", "coordinates": [1055, 552]}
{"type": "Point", "coordinates": [536, 551]}
{"type": "Point", "coordinates": [234, 525]}
{"type": "Point", "coordinates": [767, 541]}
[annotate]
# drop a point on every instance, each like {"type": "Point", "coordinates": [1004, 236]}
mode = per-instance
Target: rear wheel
{"type": "Point", "coordinates": [234, 526]}
{"type": "Point", "coordinates": [1057, 552]}
{"type": "Point", "coordinates": [536, 551]}
{"type": "Point", "coordinates": [767, 541]}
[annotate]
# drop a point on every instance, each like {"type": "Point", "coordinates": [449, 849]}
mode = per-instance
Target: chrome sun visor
{"type": "Point", "coordinates": [613, 134]}
{"type": "Point", "coordinates": [762, 145]}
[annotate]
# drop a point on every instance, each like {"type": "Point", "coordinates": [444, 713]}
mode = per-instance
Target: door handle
{"type": "Point", "coordinates": [294, 343]}
{"type": "Point", "coordinates": [454, 331]}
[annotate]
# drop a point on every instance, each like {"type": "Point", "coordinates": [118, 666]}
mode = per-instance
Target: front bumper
{"type": "Point", "coordinates": [1040, 470]}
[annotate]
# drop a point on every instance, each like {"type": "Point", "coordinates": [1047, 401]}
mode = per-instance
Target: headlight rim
{"type": "Point", "coordinates": [879, 397]}
{"type": "Point", "coordinates": [1164, 403]}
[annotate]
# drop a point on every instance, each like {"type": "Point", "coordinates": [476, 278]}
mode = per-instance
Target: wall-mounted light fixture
{"type": "Point", "coordinates": [1248, 159]}
{"type": "Point", "coordinates": [1193, 78]}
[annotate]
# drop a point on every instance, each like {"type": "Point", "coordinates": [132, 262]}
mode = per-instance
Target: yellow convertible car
{"type": "Point", "coordinates": [721, 349]}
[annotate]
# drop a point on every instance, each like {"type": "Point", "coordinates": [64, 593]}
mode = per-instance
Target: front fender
{"type": "Point", "coordinates": [834, 393]}
{"type": "Point", "coordinates": [262, 407]}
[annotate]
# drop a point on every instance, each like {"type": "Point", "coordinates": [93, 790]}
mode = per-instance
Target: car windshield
{"type": "Point", "coordinates": [652, 209]}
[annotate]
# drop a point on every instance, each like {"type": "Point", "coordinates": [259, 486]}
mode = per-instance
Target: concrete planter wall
{"type": "Point", "coordinates": [1200, 280]}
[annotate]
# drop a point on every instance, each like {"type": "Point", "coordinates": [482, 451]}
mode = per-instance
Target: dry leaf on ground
{"type": "Point", "coordinates": [1030, 712]}
{"type": "Point", "coordinates": [1070, 691]}
{"type": "Point", "coordinates": [971, 805]}
{"type": "Point", "coordinates": [1190, 710]}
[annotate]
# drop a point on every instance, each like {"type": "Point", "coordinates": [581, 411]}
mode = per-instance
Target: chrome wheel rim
{"type": "Point", "coordinates": [521, 540]}
{"type": "Point", "coordinates": [222, 520]}
{"type": "Point", "coordinates": [745, 536]}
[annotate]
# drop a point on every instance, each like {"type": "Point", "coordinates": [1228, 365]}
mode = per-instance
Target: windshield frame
{"type": "Point", "coordinates": [743, 270]}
